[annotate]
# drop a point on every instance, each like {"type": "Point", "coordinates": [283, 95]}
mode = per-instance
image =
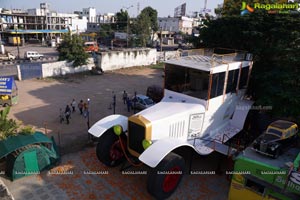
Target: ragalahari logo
{"type": "Point", "coordinates": [246, 9]}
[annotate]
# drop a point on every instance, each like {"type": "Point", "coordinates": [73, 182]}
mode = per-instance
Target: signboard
{"type": "Point", "coordinates": [180, 10]}
{"type": "Point", "coordinates": [6, 84]}
{"type": "Point", "coordinates": [195, 124]}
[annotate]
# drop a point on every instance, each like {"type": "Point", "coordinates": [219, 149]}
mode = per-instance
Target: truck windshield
{"type": "Point", "coordinates": [188, 81]}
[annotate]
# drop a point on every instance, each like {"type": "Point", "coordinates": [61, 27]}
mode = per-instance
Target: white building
{"type": "Point", "coordinates": [176, 24]}
{"type": "Point", "coordinates": [90, 13]}
{"type": "Point", "coordinates": [106, 18]}
{"type": "Point", "coordinates": [79, 24]}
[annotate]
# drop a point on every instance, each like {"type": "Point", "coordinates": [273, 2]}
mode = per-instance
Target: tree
{"type": "Point", "coordinates": [146, 24]}
{"type": "Point", "coordinates": [10, 127]}
{"type": "Point", "coordinates": [122, 18]}
{"type": "Point", "coordinates": [274, 41]}
{"type": "Point", "coordinates": [71, 49]}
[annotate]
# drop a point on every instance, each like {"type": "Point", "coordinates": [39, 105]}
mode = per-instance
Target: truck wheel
{"type": "Point", "coordinates": [164, 179]}
{"type": "Point", "coordinates": [109, 150]}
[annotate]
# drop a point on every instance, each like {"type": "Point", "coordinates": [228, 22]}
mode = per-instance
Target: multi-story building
{"type": "Point", "coordinates": [176, 24]}
{"type": "Point", "coordinates": [106, 18]}
{"type": "Point", "coordinates": [89, 13]}
{"type": "Point", "coordinates": [38, 24]}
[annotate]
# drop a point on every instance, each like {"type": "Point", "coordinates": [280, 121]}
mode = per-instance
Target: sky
{"type": "Point", "coordinates": [163, 7]}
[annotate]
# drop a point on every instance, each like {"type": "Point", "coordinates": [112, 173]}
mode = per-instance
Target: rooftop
{"type": "Point", "coordinates": [205, 63]}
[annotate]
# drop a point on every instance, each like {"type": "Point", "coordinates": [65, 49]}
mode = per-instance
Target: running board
{"type": "Point", "coordinates": [222, 148]}
{"type": "Point", "coordinates": [207, 145]}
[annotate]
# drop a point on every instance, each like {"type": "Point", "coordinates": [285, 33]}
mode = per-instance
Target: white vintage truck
{"type": "Point", "coordinates": [204, 105]}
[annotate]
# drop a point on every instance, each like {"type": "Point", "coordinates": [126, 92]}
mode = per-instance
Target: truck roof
{"type": "Point", "coordinates": [215, 63]}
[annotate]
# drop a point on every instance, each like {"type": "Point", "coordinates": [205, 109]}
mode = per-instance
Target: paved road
{"type": "Point", "coordinates": [47, 51]}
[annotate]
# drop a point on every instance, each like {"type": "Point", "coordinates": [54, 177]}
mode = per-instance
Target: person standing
{"type": "Point", "coordinates": [73, 104]}
{"type": "Point", "coordinates": [125, 97]}
{"type": "Point", "coordinates": [68, 113]}
{"type": "Point", "coordinates": [85, 109]}
{"type": "Point", "coordinates": [80, 107]}
{"type": "Point", "coordinates": [128, 102]}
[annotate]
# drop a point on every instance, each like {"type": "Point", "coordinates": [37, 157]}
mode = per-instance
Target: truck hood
{"type": "Point", "coordinates": [173, 105]}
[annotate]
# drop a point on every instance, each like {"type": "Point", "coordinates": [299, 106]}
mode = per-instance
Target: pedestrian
{"type": "Point", "coordinates": [73, 104]}
{"type": "Point", "coordinates": [68, 113]}
{"type": "Point", "coordinates": [85, 109]}
{"type": "Point", "coordinates": [125, 97]}
{"type": "Point", "coordinates": [128, 102]}
{"type": "Point", "coordinates": [80, 106]}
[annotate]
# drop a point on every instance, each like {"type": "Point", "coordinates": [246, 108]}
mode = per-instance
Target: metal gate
{"type": "Point", "coordinates": [31, 70]}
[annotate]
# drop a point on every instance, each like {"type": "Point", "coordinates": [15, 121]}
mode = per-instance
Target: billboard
{"type": "Point", "coordinates": [6, 85]}
{"type": "Point", "coordinates": [180, 10]}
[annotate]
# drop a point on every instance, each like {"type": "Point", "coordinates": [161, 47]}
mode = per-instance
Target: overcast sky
{"type": "Point", "coordinates": [164, 7]}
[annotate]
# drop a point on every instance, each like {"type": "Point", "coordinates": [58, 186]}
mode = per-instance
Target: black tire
{"type": "Point", "coordinates": [103, 150]}
{"type": "Point", "coordinates": [5, 105]}
{"type": "Point", "coordinates": [157, 183]}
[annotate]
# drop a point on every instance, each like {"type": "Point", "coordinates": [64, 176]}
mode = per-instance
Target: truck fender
{"type": "Point", "coordinates": [240, 113]}
{"type": "Point", "coordinates": [159, 149]}
{"type": "Point", "coordinates": [106, 123]}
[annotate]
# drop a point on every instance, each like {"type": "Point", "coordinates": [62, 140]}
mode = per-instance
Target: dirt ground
{"type": "Point", "coordinates": [40, 101]}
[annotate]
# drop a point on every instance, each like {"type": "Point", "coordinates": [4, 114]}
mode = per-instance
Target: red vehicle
{"type": "Point", "coordinates": [91, 47]}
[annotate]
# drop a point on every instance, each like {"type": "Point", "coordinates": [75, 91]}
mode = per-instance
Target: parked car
{"type": "Point", "coordinates": [155, 92]}
{"type": "Point", "coordinates": [280, 134]}
{"type": "Point", "coordinates": [33, 55]}
{"type": "Point", "coordinates": [141, 102]}
{"type": "Point", "coordinates": [7, 56]}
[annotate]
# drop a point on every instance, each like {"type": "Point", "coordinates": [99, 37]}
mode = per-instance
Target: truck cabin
{"type": "Point", "coordinates": [204, 77]}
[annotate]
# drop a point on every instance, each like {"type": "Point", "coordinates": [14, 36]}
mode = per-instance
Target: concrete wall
{"type": "Point", "coordinates": [63, 68]}
{"type": "Point", "coordinates": [127, 58]}
{"type": "Point", "coordinates": [167, 55]}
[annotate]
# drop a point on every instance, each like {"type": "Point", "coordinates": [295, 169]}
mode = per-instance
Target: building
{"type": "Point", "coordinates": [38, 24]}
{"type": "Point", "coordinates": [106, 18]}
{"type": "Point", "coordinates": [89, 13]}
{"type": "Point", "coordinates": [176, 24]}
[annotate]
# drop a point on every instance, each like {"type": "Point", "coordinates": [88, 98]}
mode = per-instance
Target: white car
{"type": "Point", "coordinates": [33, 55]}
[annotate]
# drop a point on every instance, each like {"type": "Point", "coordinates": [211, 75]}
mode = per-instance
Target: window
{"type": "Point", "coordinates": [217, 84]}
{"type": "Point", "coordinates": [232, 80]}
{"type": "Point", "coordinates": [244, 77]}
{"type": "Point", "coordinates": [275, 132]}
{"type": "Point", "coordinates": [256, 187]}
{"type": "Point", "coordinates": [188, 81]}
